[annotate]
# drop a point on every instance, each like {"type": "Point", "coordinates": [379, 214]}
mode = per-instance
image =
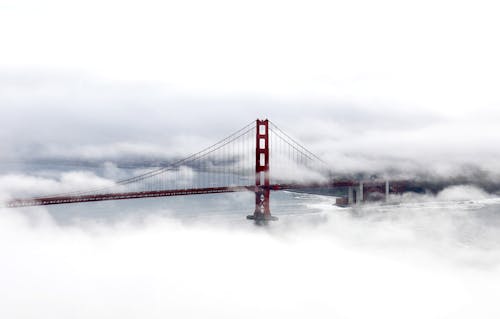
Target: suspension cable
{"type": "Point", "coordinates": [208, 150]}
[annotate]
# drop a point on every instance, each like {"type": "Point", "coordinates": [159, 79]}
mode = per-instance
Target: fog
{"type": "Point", "coordinates": [385, 88]}
{"type": "Point", "coordinates": [94, 91]}
{"type": "Point", "coordinates": [434, 259]}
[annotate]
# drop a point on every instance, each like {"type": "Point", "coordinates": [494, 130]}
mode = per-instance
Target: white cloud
{"type": "Point", "coordinates": [396, 261]}
{"type": "Point", "coordinates": [462, 193]}
{"type": "Point", "coordinates": [386, 87]}
{"type": "Point", "coordinates": [12, 185]}
{"type": "Point", "coordinates": [374, 86]}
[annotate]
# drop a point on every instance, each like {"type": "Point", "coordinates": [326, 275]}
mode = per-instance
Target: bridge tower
{"type": "Point", "coordinates": [262, 183]}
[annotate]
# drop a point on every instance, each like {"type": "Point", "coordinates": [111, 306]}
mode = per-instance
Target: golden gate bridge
{"type": "Point", "coordinates": [259, 158]}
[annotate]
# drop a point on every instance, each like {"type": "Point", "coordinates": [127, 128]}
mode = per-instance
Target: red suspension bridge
{"type": "Point", "coordinates": [259, 158]}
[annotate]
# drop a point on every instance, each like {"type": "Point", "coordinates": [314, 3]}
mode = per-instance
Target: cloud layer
{"type": "Point", "coordinates": [385, 87]}
{"type": "Point", "coordinates": [412, 260]}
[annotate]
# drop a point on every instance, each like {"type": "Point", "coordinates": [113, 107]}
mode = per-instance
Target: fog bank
{"type": "Point", "coordinates": [434, 259]}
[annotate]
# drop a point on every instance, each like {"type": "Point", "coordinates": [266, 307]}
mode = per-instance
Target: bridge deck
{"type": "Point", "coordinates": [41, 201]}
{"type": "Point", "coordinates": [55, 200]}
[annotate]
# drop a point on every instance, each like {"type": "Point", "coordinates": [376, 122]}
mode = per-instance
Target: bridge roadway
{"type": "Point", "coordinates": [55, 200]}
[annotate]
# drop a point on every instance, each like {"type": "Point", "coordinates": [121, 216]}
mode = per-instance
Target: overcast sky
{"type": "Point", "coordinates": [367, 85]}
{"type": "Point", "coordinates": [373, 86]}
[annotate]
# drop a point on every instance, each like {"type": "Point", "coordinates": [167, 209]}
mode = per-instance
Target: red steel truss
{"type": "Point", "coordinates": [55, 200]}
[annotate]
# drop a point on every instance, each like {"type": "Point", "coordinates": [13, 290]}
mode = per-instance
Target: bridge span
{"type": "Point", "coordinates": [241, 162]}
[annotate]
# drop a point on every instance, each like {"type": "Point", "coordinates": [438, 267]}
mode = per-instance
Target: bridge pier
{"type": "Point", "coordinates": [361, 195]}
{"type": "Point", "coordinates": [387, 189]}
{"type": "Point", "coordinates": [355, 195]}
{"type": "Point", "coordinates": [262, 211]}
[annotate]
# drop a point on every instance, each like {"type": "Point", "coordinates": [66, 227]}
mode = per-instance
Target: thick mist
{"type": "Point", "coordinates": [433, 258]}
{"type": "Point", "coordinates": [96, 91]}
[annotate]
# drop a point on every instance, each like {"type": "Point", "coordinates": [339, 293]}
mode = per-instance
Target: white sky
{"type": "Point", "coordinates": [424, 54]}
{"type": "Point", "coordinates": [399, 77]}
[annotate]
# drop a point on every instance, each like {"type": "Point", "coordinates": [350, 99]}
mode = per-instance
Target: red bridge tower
{"type": "Point", "coordinates": [262, 184]}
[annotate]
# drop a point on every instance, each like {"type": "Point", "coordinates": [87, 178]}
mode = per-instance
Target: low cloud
{"type": "Point", "coordinates": [372, 92]}
{"type": "Point", "coordinates": [161, 127]}
{"type": "Point", "coordinates": [324, 265]}
{"type": "Point", "coordinates": [12, 186]}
